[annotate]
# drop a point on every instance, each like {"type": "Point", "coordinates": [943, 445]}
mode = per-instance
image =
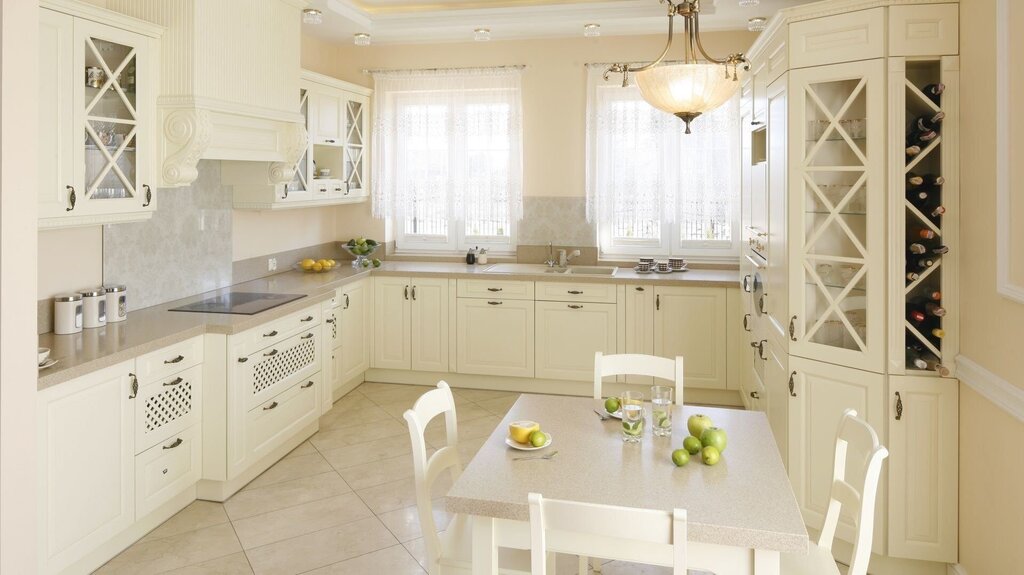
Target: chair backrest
{"type": "Point", "coordinates": [431, 404]}
{"type": "Point", "coordinates": [638, 364]}
{"type": "Point", "coordinates": [860, 498]}
{"type": "Point", "coordinates": [648, 536]}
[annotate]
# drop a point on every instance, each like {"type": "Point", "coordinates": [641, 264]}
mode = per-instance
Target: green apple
{"type": "Point", "coordinates": [680, 457]}
{"type": "Point", "coordinates": [696, 424]}
{"type": "Point", "coordinates": [611, 405]}
{"type": "Point", "coordinates": [538, 438]}
{"type": "Point", "coordinates": [714, 437]}
{"type": "Point", "coordinates": [692, 445]}
{"type": "Point", "coordinates": [710, 455]}
{"type": "Point", "coordinates": [376, 263]}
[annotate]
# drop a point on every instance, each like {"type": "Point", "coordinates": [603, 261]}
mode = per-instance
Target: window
{"type": "Point", "coordinates": [651, 188]}
{"type": "Point", "coordinates": [449, 158]}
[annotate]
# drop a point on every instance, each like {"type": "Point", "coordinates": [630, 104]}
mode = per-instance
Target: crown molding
{"type": "Point", "coordinates": [1002, 393]}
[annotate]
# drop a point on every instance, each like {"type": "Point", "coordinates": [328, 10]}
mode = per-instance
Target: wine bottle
{"type": "Point", "coordinates": [913, 276]}
{"type": "Point", "coordinates": [934, 92]}
{"type": "Point", "coordinates": [938, 332]}
{"type": "Point", "coordinates": [918, 137]}
{"type": "Point", "coordinates": [913, 150]}
{"type": "Point", "coordinates": [934, 309]}
{"type": "Point", "coordinates": [928, 122]}
{"type": "Point", "coordinates": [923, 233]}
{"type": "Point", "coordinates": [917, 248]}
{"type": "Point", "coordinates": [926, 360]}
{"type": "Point", "coordinates": [916, 315]}
{"type": "Point", "coordinates": [930, 180]}
{"type": "Point", "coordinates": [937, 211]}
{"type": "Point", "coordinates": [921, 263]}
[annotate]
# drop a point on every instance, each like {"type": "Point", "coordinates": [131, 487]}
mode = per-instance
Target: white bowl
{"type": "Point", "coordinates": [44, 352]}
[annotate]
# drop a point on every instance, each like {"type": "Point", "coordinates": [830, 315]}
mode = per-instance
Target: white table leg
{"type": "Point", "coordinates": [766, 562]}
{"type": "Point", "coordinates": [485, 550]}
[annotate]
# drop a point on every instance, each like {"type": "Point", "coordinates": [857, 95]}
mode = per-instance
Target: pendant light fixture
{"type": "Point", "coordinates": [691, 87]}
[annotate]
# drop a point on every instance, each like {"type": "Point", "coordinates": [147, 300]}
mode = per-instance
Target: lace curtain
{"type": "Point", "coordinates": [643, 170]}
{"type": "Point", "coordinates": [448, 147]}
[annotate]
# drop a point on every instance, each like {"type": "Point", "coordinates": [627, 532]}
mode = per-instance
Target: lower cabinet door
{"type": "Point", "coordinates": [639, 325]}
{"type": "Point", "coordinates": [86, 462]}
{"type": "Point", "coordinates": [495, 337]}
{"type": "Point", "coordinates": [691, 322]}
{"type": "Point", "coordinates": [430, 324]}
{"type": "Point", "coordinates": [923, 464]}
{"type": "Point", "coordinates": [268, 425]}
{"type": "Point", "coordinates": [822, 392]}
{"type": "Point", "coordinates": [167, 469]}
{"type": "Point", "coordinates": [568, 336]}
{"type": "Point", "coordinates": [357, 329]}
{"type": "Point", "coordinates": [392, 317]}
{"type": "Point", "coordinates": [777, 379]}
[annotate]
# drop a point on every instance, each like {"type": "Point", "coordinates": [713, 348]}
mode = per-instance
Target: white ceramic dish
{"type": "Point", "coordinates": [44, 354]}
{"type": "Point", "coordinates": [47, 363]}
{"type": "Point", "coordinates": [616, 415]}
{"type": "Point", "coordinates": [663, 272]}
{"type": "Point", "coordinates": [639, 271]}
{"type": "Point", "coordinates": [516, 445]}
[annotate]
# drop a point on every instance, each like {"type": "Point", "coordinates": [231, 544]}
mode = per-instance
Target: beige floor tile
{"type": "Point", "coordinates": [624, 568]}
{"type": "Point", "coordinates": [500, 405]}
{"type": "Point", "coordinates": [348, 416]}
{"type": "Point", "coordinates": [304, 448]}
{"type": "Point", "coordinates": [291, 468]}
{"type": "Point", "coordinates": [376, 450]}
{"type": "Point", "coordinates": [378, 472]}
{"type": "Point", "coordinates": [418, 550]}
{"type": "Point", "coordinates": [480, 427]}
{"type": "Point", "coordinates": [463, 412]}
{"type": "Point", "coordinates": [176, 551]}
{"type": "Point", "coordinates": [299, 520]}
{"type": "Point", "coordinates": [391, 561]}
{"type": "Point", "coordinates": [234, 564]}
{"type": "Point", "coordinates": [335, 438]}
{"type": "Point", "coordinates": [197, 515]}
{"type": "Point", "coordinates": [285, 494]}
{"type": "Point", "coordinates": [399, 494]}
{"type": "Point", "coordinates": [321, 548]}
{"type": "Point", "coordinates": [482, 394]}
{"type": "Point", "coordinates": [405, 523]}
{"type": "Point", "coordinates": [396, 394]}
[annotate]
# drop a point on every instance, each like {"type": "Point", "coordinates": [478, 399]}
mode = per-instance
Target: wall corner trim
{"type": "Point", "coordinates": [1004, 394]}
{"type": "Point", "coordinates": [955, 569]}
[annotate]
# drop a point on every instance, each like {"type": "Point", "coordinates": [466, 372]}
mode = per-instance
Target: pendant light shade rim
{"type": "Point", "coordinates": [689, 90]}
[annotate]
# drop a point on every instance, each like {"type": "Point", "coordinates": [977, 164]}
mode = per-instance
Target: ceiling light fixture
{"type": "Point", "coordinates": [482, 34]}
{"type": "Point", "coordinates": [757, 24]}
{"type": "Point", "coordinates": [748, 3]}
{"type": "Point", "coordinates": [312, 16]}
{"type": "Point", "coordinates": [361, 39]}
{"type": "Point", "coordinates": [688, 89]}
{"type": "Point", "coordinates": [591, 30]}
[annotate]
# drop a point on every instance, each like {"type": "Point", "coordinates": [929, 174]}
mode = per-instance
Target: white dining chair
{"type": "Point", "coordinates": [638, 364]}
{"type": "Point", "coordinates": [861, 498]}
{"type": "Point", "coordinates": [649, 536]}
{"type": "Point", "coordinates": [450, 552]}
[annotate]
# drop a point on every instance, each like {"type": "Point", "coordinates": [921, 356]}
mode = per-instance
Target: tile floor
{"type": "Point", "coordinates": [341, 503]}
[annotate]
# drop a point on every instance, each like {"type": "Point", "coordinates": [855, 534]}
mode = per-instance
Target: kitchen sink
{"type": "Point", "coordinates": [544, 269]}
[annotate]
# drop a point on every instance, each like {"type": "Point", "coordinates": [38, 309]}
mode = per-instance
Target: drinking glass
{"type": "Point", "coordinates": [632, 405]}
{"type": "Point", "coordinates": [661, 410]}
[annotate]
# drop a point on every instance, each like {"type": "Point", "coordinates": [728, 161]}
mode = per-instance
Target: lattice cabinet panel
{"type": "Point", "coordinates": [167, 406]}
{"type": "Point", "coordinates": [268, 371]}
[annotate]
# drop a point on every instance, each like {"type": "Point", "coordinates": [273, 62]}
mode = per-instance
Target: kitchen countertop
{"type": "Point", "coordinates": [155, 327]}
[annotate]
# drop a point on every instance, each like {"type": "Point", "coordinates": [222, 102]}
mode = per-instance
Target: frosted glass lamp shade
{"type": "Point", "coordinates": [687, 90]}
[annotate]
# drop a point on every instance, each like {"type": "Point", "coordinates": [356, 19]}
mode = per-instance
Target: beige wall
{"type": "Point", "coordinates": [259, 233]}
{"type": "Point", "coordinates": [69, 260]}
{"type": "Point", "coordinates": [991, 442]}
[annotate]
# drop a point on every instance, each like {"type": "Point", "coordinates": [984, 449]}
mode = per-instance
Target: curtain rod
{"type": "Point", "coordinates": [509, 67]}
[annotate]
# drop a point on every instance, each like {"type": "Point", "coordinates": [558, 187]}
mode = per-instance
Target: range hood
{"type": "Point", "coordinates": [229, 84]}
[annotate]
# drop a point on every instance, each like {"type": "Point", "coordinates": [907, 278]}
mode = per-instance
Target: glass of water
{"type": "Point", "coordinates": [661, 410]}
{"type": "Point", "coordinates": [632, 405]}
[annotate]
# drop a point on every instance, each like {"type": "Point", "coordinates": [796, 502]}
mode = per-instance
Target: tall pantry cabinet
{"type": "Point", "coordinates": [851, 153]}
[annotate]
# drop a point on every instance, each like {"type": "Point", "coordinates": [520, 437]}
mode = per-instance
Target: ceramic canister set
{"type": "Point", "coordinates": [89, 309]}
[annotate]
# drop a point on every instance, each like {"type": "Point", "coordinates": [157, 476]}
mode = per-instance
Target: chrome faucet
{"type": "Point", "coordinates": [563, 259]}
{"type": "Point", "coordinates": [550, 262]}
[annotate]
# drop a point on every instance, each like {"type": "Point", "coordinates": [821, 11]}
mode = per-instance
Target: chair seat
{"type": "Point", "coordinates": [457, 551]}
{"type": "Point", "coordinates": [818, 561]}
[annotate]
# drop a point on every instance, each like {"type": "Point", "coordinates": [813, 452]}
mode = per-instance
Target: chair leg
{"type": "Point", "coordinates": [550, 560]}
{"type": "Point", "coordinates": [596, 564]}
{"type": "Point", "coordinates": [582, 568]}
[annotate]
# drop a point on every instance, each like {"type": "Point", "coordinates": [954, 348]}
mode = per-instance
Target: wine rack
{"type": "Point", "coordinates": [925, 206]}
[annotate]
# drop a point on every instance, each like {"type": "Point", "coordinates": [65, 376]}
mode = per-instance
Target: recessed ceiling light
{"type": "Point", "coordinates": [591, 30]}
{"type": "Point", "coordinates": [749, 2]}
{"type": "Point", "coordinates": [312, 16]}
{"type": "Point", "coordinates": [361, 39]}
{"type": "Point", "coordinates": [482, 34]}
{"type": "Point", "coordinates": [757, 24]}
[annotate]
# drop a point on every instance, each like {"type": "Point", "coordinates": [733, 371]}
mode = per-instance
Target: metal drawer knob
{"type": "Point", "coordinates": [177, 381]}
{"type": "Point", "coordinates": [271, 406]}
{"type": "Point", "coordinates": [271, 334]}
{"type": "Point", "coordinates": [494, 289]}
{"type": "Point", "coordinates": [175, 360]}
{"type": "Point", "coordinates": [307, 318]}
{"type": "Point", "coordinates": [494, 303]}
{"type": "Point", "coordinates": [307, 385]}
{"type": "Point", "coordinates": [176, 443]}
{"type": "Point", "coordinates": [574, 306]}
{"type": "Point", "coordinates": [576, 292]}
{"type": "Point", "coordinates": [307, 336]}
{"type": "Point", "coordinates": [270, 353]}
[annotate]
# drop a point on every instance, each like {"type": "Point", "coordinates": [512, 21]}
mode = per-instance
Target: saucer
{"type": "Point", "coordinates": [663, 272]}
{"type": "Point", "coordinates": [48, 363]}
{"type": "Point", "coordinates": [637, 270]}
{"type": "Point", "coordinates": [521, 447]}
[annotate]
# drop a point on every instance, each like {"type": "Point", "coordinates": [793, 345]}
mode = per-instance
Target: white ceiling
{"type": "Point", "coordinates": [412, 21]}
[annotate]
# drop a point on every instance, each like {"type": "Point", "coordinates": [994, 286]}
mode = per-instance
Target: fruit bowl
{"type": "Point", "coordinates": [360, 249]}
{"type": "Point", "coordinates": [317, 266]}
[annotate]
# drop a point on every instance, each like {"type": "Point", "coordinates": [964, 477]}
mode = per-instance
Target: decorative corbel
{"type": "Point", "coordinates": [294, 141]}
{"type": "Point", "coordinates": [186, 133]}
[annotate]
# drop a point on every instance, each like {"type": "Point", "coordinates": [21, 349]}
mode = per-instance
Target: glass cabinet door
{"type": "Point", "coordinates": [300, 181]}
{"type": "Point", "coordinates": [838, 214]}
{"type": "Point", "coordinates": [356, 130]}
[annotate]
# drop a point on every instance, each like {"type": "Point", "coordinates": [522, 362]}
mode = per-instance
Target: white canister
{"type": "Point", "coordinates": [67, 313]}
{"type": "Point", "coordinates": [117, 303]}
{"type": "Point", "coordinates": [94, 308]}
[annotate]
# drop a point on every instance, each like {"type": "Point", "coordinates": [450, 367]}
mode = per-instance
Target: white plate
{"type": "Point", "coordinates": [48, 363]}
{"type": "Point", "coordinates": [682, 269]}
{"type": "Point", "coordinates": [616, 415]}
{"type": "Point", "coordinates": [516, 445]}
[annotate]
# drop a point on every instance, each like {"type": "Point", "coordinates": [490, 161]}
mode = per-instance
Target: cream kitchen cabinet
{"type": "Point", "coordinates": [691, 322]}
{"type": "Point", "coordinates": [638, 320]}
{"type": "Point", "coordinates": [776, 289]}
{"type": "Point", "coordinates": [355, 315]}
{"type": "Point", "coordinates": [568, 334]}
{"type": "Point", "coordinates": [86, 465]}
{"type": "Point", "coordinates": [411, 317]}
{"type": "Point", "coordinates": [327, 118]}
{"type": "Point", "coordinates": [779, 387]}
{"type": "Point", "coordinates": [495, 336]}
{"type": "Point", "coordinates": [331, 367]}
{"type": "Point", "coordinates": [97, 116]}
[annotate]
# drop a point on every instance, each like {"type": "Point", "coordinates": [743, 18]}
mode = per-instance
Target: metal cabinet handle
{"type": "Point", "coordinates": [72, 197]}
{"type": "Point", "coordinates": [329, 141]}
{"type": "Point", "coordinates": [175, 360]}
{"type": "Point", "coordinates": [756, 123]}
{"type": "Point", "coordinates": [307, 385]}
{"type": "Point", "coordinates": [177, 381]}
{"type": "Point", "coordinates": [574, 306]}
{"type": "Point", "coordinates": [414, 293]}
{"type": "Point", "coordinates": [575, 292]}
{"type": "Point", "coordinates": [270, 353]}
{"type": "Point", "coordinates": [348, 188]}
{"type": "Point", "coordinates": [746, 283]}
{"type": "Point", "coordinates": [243, 359]}
{"type": "Point", "coordinates": [494, 289]}
{"type": "Point", "coordinates": [406, 292]}
{"type": "Point", "coordinates": [760, 302]}
{"type": "Point", "coordinates": [495, 302]}
{"type": "Point", "coordinates": [792, 384]}
{"type": "Point", "coordinates": [271, 406]}
{"type": "Point", "coordinates": [176, 443]}
{"type": "Point", "coordinates": [899, 407]}
{"type": "Point", "coordinates": [755, 395]}
{"type": "Point", "coordinates": [346, 302]}
{"type": "Point", "coordinates": [639, 288]}
{"type": "Point", "coordinates": [746, 322]}
{"type": "Point", "coordinates": [307, 318]}
{"type": "Point", "coordinates": [149, 196]}
{"type": "Point", "coordinates": [135, 386]}
{"type": "Point", "coordinates": [330, 320]}
{"type": "Point", "coordinates": [759, 345]}
{"type": "Point", "coordinates": [271, 334]}
{"type": "Point", "coordinates": [337, 189]}
{"type": "Point", "coordinates": [792, 328]}
{"type": "Point", "coordinates": [657, 302]}
{"type": "Point", "coordinates": [307, 336]}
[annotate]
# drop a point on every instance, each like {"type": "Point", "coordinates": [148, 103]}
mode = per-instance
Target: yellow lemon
{"type": "Point", "coordinates": [322, 262]}
{"type": "Point", "coordinates": [520, 431]}
{"type": "Point", "coordinates": [307, 264]}
{"type": "Point", "coordinates": [317, 267]}
{"type": "Point", "coordinates": [332, 262]}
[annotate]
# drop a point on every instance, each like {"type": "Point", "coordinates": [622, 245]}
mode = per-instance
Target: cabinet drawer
{"type": "Point", "coordinates": [159, 364]}
{"type": "Point", "coordinates": [167, 469]}
{"type": "Point", "coordinates": [267, 372]}
{"type": "Point", "coordinates": [572, 291]}
{"type": "Point", "coordinates": [927, 30]}
{"type": "Point", "coordinates": [495, 289]}
{"type": "Point", "coordinates": [167, 407]}
{"type": "Point", "coordinates": [277, 330]}
{"type": "Point", "coordinates": [842, 38]}
{"type": "Point", "coordinates": [274, 421]}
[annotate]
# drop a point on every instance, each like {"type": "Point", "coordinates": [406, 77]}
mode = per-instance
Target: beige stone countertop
{"type": "Point", "coordinates": [155, 327]}
{"type": "Point", "coordinates": [744, 501]}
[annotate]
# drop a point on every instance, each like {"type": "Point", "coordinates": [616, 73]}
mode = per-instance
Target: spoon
{"type": "Point", "coordinates": [602, 416]}
{"type": "Point", "coordinates": [548, 456]}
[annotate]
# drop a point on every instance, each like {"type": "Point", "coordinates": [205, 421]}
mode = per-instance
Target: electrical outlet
{"type": "Point", "coordinates": [272, 265]}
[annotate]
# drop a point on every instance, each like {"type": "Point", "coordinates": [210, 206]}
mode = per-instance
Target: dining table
{"type": "Point", "coordinates": [741, 513]}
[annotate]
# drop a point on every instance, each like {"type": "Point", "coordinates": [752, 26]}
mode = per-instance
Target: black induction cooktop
{"type": "Point", "coordinates": [240, 303]}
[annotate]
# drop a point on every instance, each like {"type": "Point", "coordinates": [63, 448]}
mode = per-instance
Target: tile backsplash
{"type": "Point", "coordinates": [561, 221]}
